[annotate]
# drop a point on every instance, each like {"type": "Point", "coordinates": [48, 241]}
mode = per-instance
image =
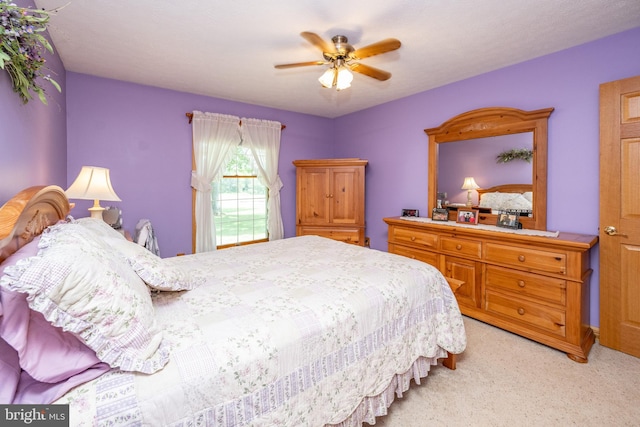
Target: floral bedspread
{"type": "Point", "coordinates": [294, 332]}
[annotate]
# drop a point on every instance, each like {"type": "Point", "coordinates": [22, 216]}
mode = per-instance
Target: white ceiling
{"type": "Point", "coordinates": [228, 49]}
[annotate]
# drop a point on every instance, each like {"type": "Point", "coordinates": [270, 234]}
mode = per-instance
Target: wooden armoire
{"type": "Point", "coordinates": [330, 199]}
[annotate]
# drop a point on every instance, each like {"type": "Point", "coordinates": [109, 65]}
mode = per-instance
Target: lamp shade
{"type": "Point", "coordinates": [338, 76]}
{"type": "Point", "coordinates": [469, 184]}
{"type": "Point", "coordinates": [328, 77]}
{"type": "Point", "coordinates": [344, 78]}
{"type": "Point", "coordinates": [93, 183]}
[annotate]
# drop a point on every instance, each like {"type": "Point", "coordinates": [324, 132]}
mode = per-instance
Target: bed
{"type": "Point", "coordinates": [506, 197]}
{"type": "Point", "coordinates": [304, 331]}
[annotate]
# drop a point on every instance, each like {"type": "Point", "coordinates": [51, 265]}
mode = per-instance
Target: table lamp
{"type": "Point", "coordinates": [93, 183]}
{"type": "Point", "coordinates": [469, 184]}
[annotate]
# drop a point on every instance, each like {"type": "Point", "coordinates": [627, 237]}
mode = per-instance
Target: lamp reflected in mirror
{"type": "Point", "coordinates": [469, 184]}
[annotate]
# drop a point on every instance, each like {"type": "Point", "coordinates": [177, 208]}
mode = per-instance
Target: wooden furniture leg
{"type": "Point", "coordinates": [450, 361]}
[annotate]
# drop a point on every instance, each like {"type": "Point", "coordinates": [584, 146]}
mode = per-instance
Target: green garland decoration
{"type": "Point", "coordinates": [515, 154]}
{"type": "Point", "coordinates": [22, 48]}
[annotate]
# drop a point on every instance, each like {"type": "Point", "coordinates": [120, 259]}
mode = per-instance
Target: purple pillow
{"type": "Point", "coordinates": [46, 352]}
{"type": "Point", "coordinates": [9, 372]}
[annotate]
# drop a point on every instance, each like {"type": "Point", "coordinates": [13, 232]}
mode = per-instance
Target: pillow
{"type": "Point", "coordinates": [502, 201]}
{"type": "Point", "coordinates": [155, 272]}
{"type": "Point", "coordinates": [27, 339]}
{"type": "Point", "coordinates": [46, 352]}
{"type": "Point", "coordinates": [31, 336]}
{"type": "Point", "coordinates": [99, 228]}
{"type": "Point", "coordinates": [490, 200]}
{"type": "Point", "coordinates": [516, 201]}
{"type": "Point", "coordinates": [9, 372]}
{"type": "Point", "coordinates": [81, 285]}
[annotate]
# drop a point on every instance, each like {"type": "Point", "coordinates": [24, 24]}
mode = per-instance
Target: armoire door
{"type": "Point", "coordinates": [620, 215]}
{"type": "Point", "coordinates": [347, 195]}
{"type": "Point", "coordinates": [313, 195]}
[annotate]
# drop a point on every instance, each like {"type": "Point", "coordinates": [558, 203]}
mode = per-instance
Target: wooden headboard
{"type": "Point", "coordinates": [27, 214]}
{"type": "Point", "coordinates": [505, 188]}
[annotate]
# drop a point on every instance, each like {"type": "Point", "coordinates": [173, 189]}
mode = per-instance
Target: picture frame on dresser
{"type": "Point", "coordinates": [467, 216]}
{"type": "Point", "coordinates": [410, 212]}
{"type": "Point", "coordinates": [440, 214]}
{"type": "Point", "coordinates": [508, 219]}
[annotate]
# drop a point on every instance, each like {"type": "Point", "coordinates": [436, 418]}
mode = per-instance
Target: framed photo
{"type": "Point", "coordinates": [410, 212]}
{"type": "Point", "coordinates": [508, 219]}
{"type": "Point", "coordinates": [467, 216]}
{"type": "Point", "coordinates": [440, 214]}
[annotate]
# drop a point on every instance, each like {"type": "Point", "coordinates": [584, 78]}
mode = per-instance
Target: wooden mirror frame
{"type": "Point", "coordinates": [495, 121]}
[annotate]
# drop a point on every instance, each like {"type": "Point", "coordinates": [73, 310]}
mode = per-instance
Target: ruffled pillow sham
{"type": "Point", "coordinates": [27, 340]}
{"type": "Point", "coordinates": [81, 285]}
{"type": "Point", "coordinates": [156, 272]}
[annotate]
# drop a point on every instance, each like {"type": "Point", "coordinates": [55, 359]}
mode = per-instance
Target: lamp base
{"type": "Point", "coordinates": [96, 212]}
{"type": "Point", "coordinates": [469, 203]}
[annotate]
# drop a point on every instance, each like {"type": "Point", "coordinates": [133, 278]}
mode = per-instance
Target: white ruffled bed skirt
{"type": "Point", "coordinates": [376, 406]}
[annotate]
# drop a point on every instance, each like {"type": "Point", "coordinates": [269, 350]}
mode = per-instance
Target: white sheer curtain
{"type": "Point", "coordinates": [263, 138]}
{"type": "Point", "coordinates": [214, 137]}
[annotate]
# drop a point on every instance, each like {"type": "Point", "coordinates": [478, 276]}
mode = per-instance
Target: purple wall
{"type": "Point", "coordinates": [142, 134]}
{"type": "Point", "coordinates": [33, 137]}
{"type": "Point", "coordinates": [392, 138]}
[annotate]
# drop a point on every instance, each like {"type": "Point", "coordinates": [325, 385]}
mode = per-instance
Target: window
{"type": "Point", "coordinates": [239, 202]}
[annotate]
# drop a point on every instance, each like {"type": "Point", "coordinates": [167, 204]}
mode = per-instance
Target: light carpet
{"type": "Point", "coordinates": [503, 379]}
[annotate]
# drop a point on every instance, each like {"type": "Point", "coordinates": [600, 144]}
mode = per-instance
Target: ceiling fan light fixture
{"type": "Point", "coordinates": [327, 78]}
{"type": "Point", "coordinates": [345, 77]}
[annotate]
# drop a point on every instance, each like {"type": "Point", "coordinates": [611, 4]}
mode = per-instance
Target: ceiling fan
{"type": "Point", "coordinates": [343, 58]}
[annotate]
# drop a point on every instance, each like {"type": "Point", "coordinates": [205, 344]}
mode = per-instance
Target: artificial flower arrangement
{"type": "Point", "coordinates": [22, 47]}
{"type": "Point", "coordinates": [517, 153]}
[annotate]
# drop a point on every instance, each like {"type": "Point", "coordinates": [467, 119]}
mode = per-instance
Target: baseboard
{"type": "Point", "coordinates": [596, 332]}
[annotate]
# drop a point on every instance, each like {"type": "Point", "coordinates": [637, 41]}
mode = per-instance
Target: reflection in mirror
{"type": "Point", "coordinates": [475, 128]}
{"type": "Point", "coordinates": [478, 158]}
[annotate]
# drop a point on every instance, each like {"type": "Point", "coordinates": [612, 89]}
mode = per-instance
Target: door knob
{"type": "Point", "coordinates": [612, 231]}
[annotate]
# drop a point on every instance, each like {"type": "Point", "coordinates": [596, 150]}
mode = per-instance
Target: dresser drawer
{"type": "Point", "coordinates": [528, 259]}
{"type": "Point", "coordinates": [542, 317]}
{"type": "Point", "coordinates": [531, 285]}
{"type": "Point", "coordinates": [348, 235]}
{"type": "Point", "coordinates": [424, 256]}
{"type": "Point", "coordinates": [414, 237]}
{"type": "Point", "coordinates": [461, 247]}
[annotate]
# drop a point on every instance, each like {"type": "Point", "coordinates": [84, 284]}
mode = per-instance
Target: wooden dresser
{"type": "Point", "coordinates": [534, 286]}
{"type": "Point", "coordinates": [330, 199]}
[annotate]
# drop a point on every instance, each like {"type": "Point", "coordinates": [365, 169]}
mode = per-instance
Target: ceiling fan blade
{"type": "Point", "coordinates": [318, 41]}
{"type": "Point", "coordinates": [367, 70]}
{"type": "Point", "coordinates": [299, 64]}
{"type": "Point", "coordinates": [383, 46]}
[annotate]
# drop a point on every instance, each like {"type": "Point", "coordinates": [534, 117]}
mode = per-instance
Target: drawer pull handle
{"type": "Point", "coordinates": [458, 247]}
{"type": "Point", "coordinates": [521, 258]}
{"type": "Point", "coordinates": [521, 311]}
{"type": "Point", "coordinates": [413, 238]}
{"type": "Point", "coordinates": [521, 283]}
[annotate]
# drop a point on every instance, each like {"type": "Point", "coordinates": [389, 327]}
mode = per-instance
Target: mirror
{"type": "Point", "coordinates": [481, 134]}
{"type": "Point", "coordinates": [478, 158]}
